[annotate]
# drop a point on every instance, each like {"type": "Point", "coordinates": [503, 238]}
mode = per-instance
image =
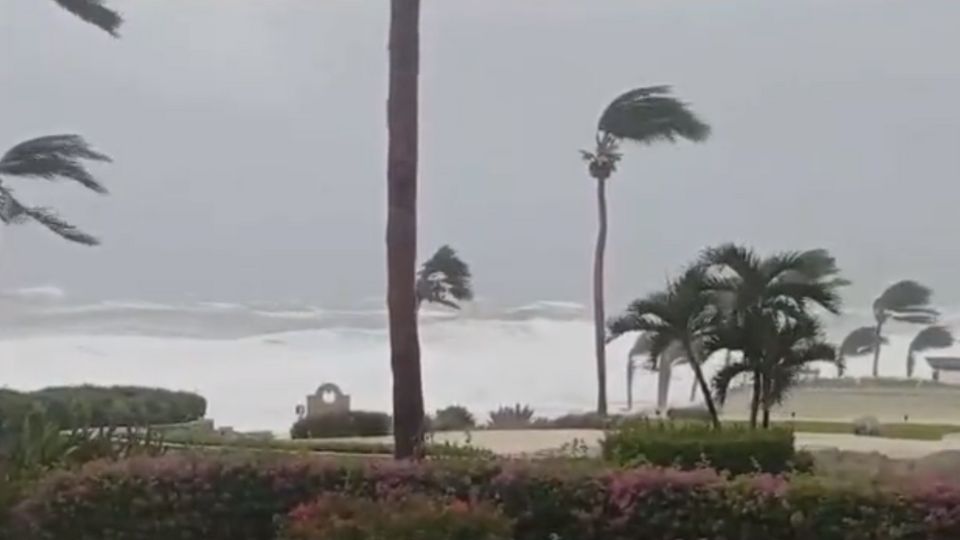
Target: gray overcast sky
{"type": "Point", "coordinates": [249, 139]}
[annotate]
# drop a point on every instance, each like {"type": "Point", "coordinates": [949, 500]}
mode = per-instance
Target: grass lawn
{"type": "Point", "coordinates": [902, 430]}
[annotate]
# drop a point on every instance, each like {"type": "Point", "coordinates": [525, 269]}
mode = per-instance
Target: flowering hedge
{"type": "Point", "coordinates": [194, 498]}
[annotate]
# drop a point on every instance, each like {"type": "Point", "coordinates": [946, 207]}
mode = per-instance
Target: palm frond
{"type": "Point", "coordinates": [741, 260]}
{"type": "Point", "coordinates": [649, 115]}
{"type": "Point", "coordinates": [932, 337]}
{"type": "Point", "coordinates": [725, 377]}
{"type": "Point", "coordinates": [49, 219]}
{"type": "Point", "coordinates": [905, 296]}
{"type": "Point", "coordinates": [53, 157]}
{"type": "Point", "coordinates": [861, 341]}
{"type": "Point", "coordinates": [803, 293]}
{"type": "Point", "coordinates": [95, 13]}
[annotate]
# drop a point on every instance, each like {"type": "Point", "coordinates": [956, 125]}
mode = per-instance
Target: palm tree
{"type": "Point", "coordinates": [684, 313]}
{"type": "Point", "coordinates": [444, 279]}
{"type": "Point", "coordinates": [760, 293]}
{"type": "Point", "coordinates": [795, 345]}
{"type": "Point", "coordinates": [53, 157]}
{"type": "Point", "coordinates": [646, 116]}
{"type": "Point", "coordinates": [402, 127]}
{"type": "Point", "coordinates": [860, 342]}
{"type": "Point", "coordinates": [905, 301]}
{"type": "Point", "coordinates": [931, 337]}
{"type": "Point", "coordinates": [95, 13]}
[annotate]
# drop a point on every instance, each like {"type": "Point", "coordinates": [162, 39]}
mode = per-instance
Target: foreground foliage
{"type": "Point", "coordinates": [687, 446]}
{"type": "Point", "coordinates": [399, 517]}
{"type": "Point", "coordinates": [100, 406]}
{"type": "Point", "coordinates": [192, 498]}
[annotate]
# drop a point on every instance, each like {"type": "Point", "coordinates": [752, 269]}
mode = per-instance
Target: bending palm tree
{"type": "Point", "coordinates": [644, 115]}
{"type": "Point", "coordinates": [95, 13]}
{"type": "Point", "coordinates": [402, 155]}
{"type": "Point", "coordinates": [861, 341]}
{"type": "Point", "coordinates": [683, 314]}
{"type": "Point", "coordinates": [444, 279]}
{"type": "Point", "coordinates": [49, 158]}
{"type": "Point", "coordinates": [931, 337]}
{"type": "Point", "coordinates": [760, 294]}
{"type": "Point", "coordinates": [905, 301]}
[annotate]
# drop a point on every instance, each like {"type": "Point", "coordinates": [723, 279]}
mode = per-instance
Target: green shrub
{"type": "Point", "coordinates": [453, 418]}
{"type": "Point", "coordinates": [346, 424]}
{"type": "Point", "coordinates": [693, 414]}
{"type": "Point", "coordinates": [416, 517]}
{"type": "Point", "coordinates": [516, 417]}
{"type": "Point", "coordinates": [217, 498]}
{"type": "Point", "coordinates": [687, 446]}
{"type": "Point", "coordinates": [95, 406]}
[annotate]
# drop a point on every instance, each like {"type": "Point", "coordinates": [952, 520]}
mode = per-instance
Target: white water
{"type": "Point", "coordinates": [255, 365]}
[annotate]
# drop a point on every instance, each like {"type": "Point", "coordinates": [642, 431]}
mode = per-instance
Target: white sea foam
{"type": "Point", "coordinates": [255, 369]}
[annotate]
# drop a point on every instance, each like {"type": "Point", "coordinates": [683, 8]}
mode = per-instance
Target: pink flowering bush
{"type": "Point", "coordinates": [414, 517]}
{"type": "Point", "coordinates": [216, 498]}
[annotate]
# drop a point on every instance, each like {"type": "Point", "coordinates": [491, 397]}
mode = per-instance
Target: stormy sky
{"type": "Point", "coordinates": [249, 142]}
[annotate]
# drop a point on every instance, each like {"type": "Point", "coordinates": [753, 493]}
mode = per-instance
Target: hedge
{"type": "Point", "coordinates": [97, 406]}
{"type": "Point", "coordinates": [345, 424]}
{"type": "Point", "coordinates": [737, 450]}
{"type": "Point", "coordinates": [194, 498]}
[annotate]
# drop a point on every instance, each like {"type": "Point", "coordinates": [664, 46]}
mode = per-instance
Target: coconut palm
{"type": "Point", "coordinates": [402, 155]}
{"type": "Point", "coordinates": [683, 314]}
{"type": "Point", "coordinates": [795, 344]}
{"type": "Point", "coordinates": [905, 301]}
{"type": "Point", "coordinates": [54, 157]}
{"type": "Point", "coordinates": [861, 341]}
{"type": "Point", "coordinates": [643, 115]}
{"type": "Point", "coordinates": [95, 13]}
{"type": "Point", "coordinates": [444, 279]}
{"type": "Point", "coordinates": [931, 337]}
{"type": "Point", "coordinates": [759, 294]}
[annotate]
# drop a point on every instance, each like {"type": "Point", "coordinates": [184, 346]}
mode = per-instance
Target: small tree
{"type": "Point", "coordinates": [931, 337]}
{"type": "Point", "coordinates": [904, 301]}
{"type": "Point", "coordinates": [53, 157]}
{"type": "Point", "coordinates": [646, 116]}
{"type": "Point", "coordinates": [684, 314]}
{"type": "Point", "coordinates": [444, 279]}
{"type": "Point", "coordinates": [860, 342]}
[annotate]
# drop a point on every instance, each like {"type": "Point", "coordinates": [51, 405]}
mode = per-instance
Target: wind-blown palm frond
{"type": "Point", "coordinates": [725, 377]}
{"type": "Point", "coordinates": [445, 279]}
{"type": "Point", "coordinates": [932, 337]}
{"type": "Point", "coordinates": [906, 300]}
{"type": "Point", "coordinates": [861, 341]}
{"type": "Point", "coordinates": [649, 115]}
{"type": "Point", "coordinates": [13, 211]}
{"type": "Point", "coordinates": [95, 13]}
{"type": "Point", "coordinates": [53, 157]}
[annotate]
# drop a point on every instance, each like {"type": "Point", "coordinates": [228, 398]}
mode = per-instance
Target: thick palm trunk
{"type": "Point", "coordinates": [876, 351]}
{"type": "Point", "coordinates": [402, 228]}
{"type": "Point", "coordinates": [911, 362]}
{"type": "Point", "coordinates": [766, 390]}
{"type": "Point", "coordinates": [630, 368]}
{"type": "Point", "coordinates": [598, 305]}
{"type": "Point", "coordinates": [755, 398]}
{"type": "Point", "coordinates": [707, 396]}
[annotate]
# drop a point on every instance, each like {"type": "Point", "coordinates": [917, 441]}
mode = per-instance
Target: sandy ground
{"type": "Point", "coordinates": [518, 442]}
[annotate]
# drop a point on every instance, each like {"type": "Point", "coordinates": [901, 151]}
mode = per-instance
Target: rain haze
{"type": "Point", "coordinates": [248, 189]}
{"type": "Point", "coordinates": [249, 143]}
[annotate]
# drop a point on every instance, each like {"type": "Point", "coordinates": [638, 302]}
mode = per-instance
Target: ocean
{"type": "Point", "coordinates": [256, 363]}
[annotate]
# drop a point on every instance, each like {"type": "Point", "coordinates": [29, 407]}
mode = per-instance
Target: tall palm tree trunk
{"type": "Point", "coordinates": [876, 351]}
{"type": "Point", "coordinates": [765, 402]}
{"type": "Point", "coordinates": [598, 304]}
{"type": "Point", "coordinates": [755, 399]}
{"type": "Point", "coordinates": [402, 227]}
{"type": "Point", "coordinates": [707, 396]}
